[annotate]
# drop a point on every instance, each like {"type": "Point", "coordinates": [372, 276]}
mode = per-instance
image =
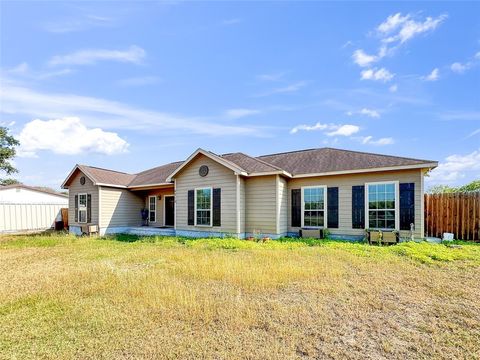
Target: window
{"type": "Point", "coordinates": [203, 207]}
{"type": "Point", "coordinates": [152, 207]}
{"type": "Point", "coordinates": [382, 205]}
{"type": "Point", "coordinates": [314, 206]}
{"type": "Point", "coordinates": [82, 208]}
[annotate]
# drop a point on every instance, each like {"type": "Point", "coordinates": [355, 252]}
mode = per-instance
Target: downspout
{"type": "Point", "coordinates": [237, 206]}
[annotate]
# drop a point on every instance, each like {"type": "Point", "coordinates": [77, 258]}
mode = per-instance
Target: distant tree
{"type": "Point", "coordinates": [445, 189]}
{"type": "Point", "coordinates": [7, 152]}
{"type": "Point", "coordinates": [441, 189]}
{"type": "Point", "coordinates": [5, 182]}
{"type": "Point", "coordinates": [473, 186]}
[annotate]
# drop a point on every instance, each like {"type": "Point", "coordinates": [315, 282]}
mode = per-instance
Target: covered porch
{"type": "Point", "coordinates": [160, 203]}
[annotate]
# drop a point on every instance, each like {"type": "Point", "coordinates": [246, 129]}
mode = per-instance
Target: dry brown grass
{"type": "Point", "coordinates": [63, 297]}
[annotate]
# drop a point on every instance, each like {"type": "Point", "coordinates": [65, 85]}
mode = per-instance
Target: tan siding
{"type": "Point", "coordinates": [282, 207]}
{"type": "Point", "coordinates": [242, 204]}
{"type": "Point", "coordinates": [160, 204]}
{"type": "Point", "coordinates": [260, 204]}
{"type": "Point", "coordinates": [345, 183]}
{"type": "Point", "coordinates": [218, 177]}
{"type": "Point", "coordinates": [120, 207]}
{"type": "Point", "coordinates": [76, 188]}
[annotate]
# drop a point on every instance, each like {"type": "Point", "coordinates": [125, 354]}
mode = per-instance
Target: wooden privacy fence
{"type": "Point", "coordinates": [457, 213]}
{"type": "Point", "coordinates": [24, 217]}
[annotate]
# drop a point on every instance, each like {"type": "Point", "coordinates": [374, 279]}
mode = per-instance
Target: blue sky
{"type": "Point", "coordinates": [130, 86]}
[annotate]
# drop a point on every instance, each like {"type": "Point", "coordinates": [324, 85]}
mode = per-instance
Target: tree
{"type": "Point", "coordinates": [7, 151]}
{"type": "Point", "coordinates": [445, 189]}
{"type": "Point", "coordinates": [5, 182]}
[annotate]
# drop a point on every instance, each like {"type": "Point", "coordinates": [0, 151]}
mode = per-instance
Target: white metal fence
{"type": "Point", "coordinates": [23, 217]}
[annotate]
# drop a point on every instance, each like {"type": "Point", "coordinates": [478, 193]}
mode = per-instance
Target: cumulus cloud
{"type": "Point", "coordinates": [382, 141]}
{"type": "Point", "coordinates": [455, 167]}
{"type": "Point", "coordinates": [393, 88]}
{"type": "Point", "coordinates": [433, 76]}
{"type": "Point", "coordinates": [68, 136]}
{"type": "Point", "coordinates": [401, 29]}
{"type": "Point", "coordinates": [332, 129]}
{"type": "Point", "coordinates": [459, 68]}
{"type": "Point", "coordinates": [367, 112]}
{"type": "Point", "coordinates": [134, 54]}
{"type": "Point", "coordinates": [363, 59]}
{"type": "Point", "coordinates": [344, 130]}
{"type": "Point", "coordinates": [377, 75]}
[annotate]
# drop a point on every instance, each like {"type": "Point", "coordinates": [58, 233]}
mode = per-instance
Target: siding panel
{"type": "Point", "coordinates": [260, 204]}
{"type": "Point", "coordinates": [345, 183]}
{"type": "Point", "coordinates": [218, 177]}
{"type": "Point", "coordinates": [76, 188]}
{"type": "Point", "coordinates": [120, 207]}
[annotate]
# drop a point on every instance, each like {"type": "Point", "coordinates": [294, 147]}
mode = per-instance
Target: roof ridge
{"type": "Point", "coordinates": [99, 168]}
{"type": "Point", "coordinates": [156, 167]}
{"type": "Point", "coordinates": [262, 161]}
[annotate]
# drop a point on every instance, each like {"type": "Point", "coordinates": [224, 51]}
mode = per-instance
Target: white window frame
{"type": "Point", "coordinates": [211, 206]}
{"type": "Point", "coordinates": [325, 220]}
{"type": "Point", "coordinates": [82, 208]}
{"type": "Point", "coordinates": [396, 183]}
{"type": "Point", "coordinates": [165, 208]}
{"type": "Point", "coordinates": [149, 210]}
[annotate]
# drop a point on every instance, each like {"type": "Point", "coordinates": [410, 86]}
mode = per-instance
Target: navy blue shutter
{"type": "Point", "coordinates": [358, 207]}
{"type": "Point", "coordinates": [296, 208]}
{"type": "Point", "coordinates": [332, 207]}
{"type": "Point", "coordinates": [191, 205]}
{"type": "Point", "coordinates": [89, 208]}
{"type": "Point", "coordinates": [217, 200]}
{"type": "Point", "coordinates": [407, 205]}
{"type": "Point", "coordinates": [76, 208]}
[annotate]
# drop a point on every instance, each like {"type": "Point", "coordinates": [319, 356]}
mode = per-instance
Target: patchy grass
{"type": "Point", "coordinates": [133, 297]}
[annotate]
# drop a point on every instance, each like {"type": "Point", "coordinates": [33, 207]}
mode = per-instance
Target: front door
{"type": "Point", "coordinates": [169, 210]}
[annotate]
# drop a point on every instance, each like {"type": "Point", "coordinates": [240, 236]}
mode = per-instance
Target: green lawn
{"type": "Point", "coordinates": [129, 297]}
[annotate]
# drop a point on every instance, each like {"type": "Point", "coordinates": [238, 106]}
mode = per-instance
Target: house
{"type": "Point", "coordinates": [26, 208]}
{"type": "Point", "coordinates": [239, 195]}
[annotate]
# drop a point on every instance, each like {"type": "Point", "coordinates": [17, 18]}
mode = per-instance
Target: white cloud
{"type": "Point", "coordinates": [382, 141]}
{"type": "Point", "coordinates": [393, 88]}
{"type": "Point", "coordinates": [433, 76]}
{"type": "Point", "coordinates": [392, 23]}
{"type": "Point", "coordinates": [67, 136]}
{"type": "Point", "coordinates": [459, 68]}
{"type": "Point", "coordinates": [365, 111]}
{"type": "Point", "coordinates": [362, 59]}
{"type": "Point", "coordinates": [239, 113]}
{"type": "Point", "coordinates": [317, 126]}
{"type": "Point", "coordinates": [370, 112]}
{"type": "Point", "coordinates": [407, 27]}
{"type": "Point", "coordinates": [23, 70]}
{"type": "Point", "coordinates": [97, 112]}
{"type": "Point", "coordinates": [344, 130]}
{"type": "Point", "coordinates": [139, 81]}
{"type": "Point", "coordinates": [473, 133]}
{"type": "Point", "coordinates": [333, 129]}
{"type": "Point", "coordinates": [133, 54]}
{"type": "Point", "coordinates": [455, 167]}
{"type": "Point", "coordinates": [377, 75]}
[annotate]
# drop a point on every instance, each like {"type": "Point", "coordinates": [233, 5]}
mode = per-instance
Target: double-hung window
{"type": "Point", "coordinates": [203, 207]}
{"type": "Point", "coordinates": [382, 205]}
{"type": "Point", "coordinates": [82, 208]}
{"type": "Point", "coordinates": [314, 205]}
{"type": "Point", "coordinates": [152, 208]}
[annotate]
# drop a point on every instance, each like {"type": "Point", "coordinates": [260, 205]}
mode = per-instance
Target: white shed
{"type": "Point", "coordinates": [24, 208]}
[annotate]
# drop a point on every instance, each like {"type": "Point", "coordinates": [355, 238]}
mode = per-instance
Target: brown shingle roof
{"type": "Point", "coordinates": [157, 175]}
{"type": "Point", "coordinates": [105, 176]}
{"type": "Point", "coordinates": [250, 164]}
{"type": "Point", "coordinates": [324, 160]}
{"type": "Point", "coordinates": [302, 162]}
